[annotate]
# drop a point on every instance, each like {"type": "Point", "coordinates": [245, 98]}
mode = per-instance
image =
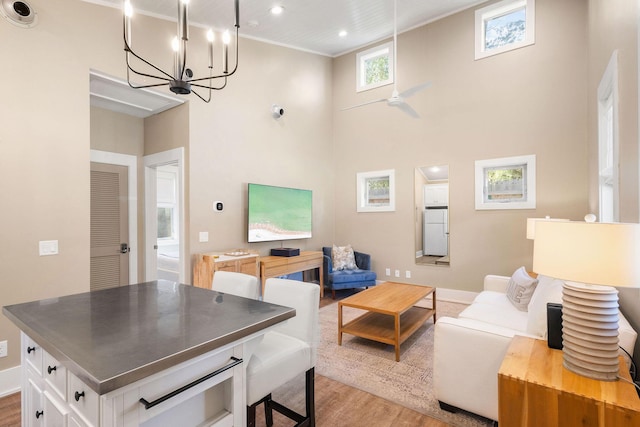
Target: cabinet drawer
{"type": "Point", "coordinates": [55, 375]}
{"type": "Point", "coordinates": [32, 354]}
{"type": "Point", "coordinates": [83, 400]}
{"type": "Point", "coordinates": [226, 266]}
{"type": "Point", "coordinates": [172, 388]}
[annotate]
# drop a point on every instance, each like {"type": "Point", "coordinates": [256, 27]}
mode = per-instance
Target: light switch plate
{"type": "Point", "coordinates": [48, 247]}
{"type": "Point", "coordinates": [204, 236]}
{"type": "Point", "coordinates": [3, 348]}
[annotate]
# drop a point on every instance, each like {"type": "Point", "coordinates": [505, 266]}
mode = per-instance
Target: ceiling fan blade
{"type": "Point", "coordinates": [407, 109]}
{"type": "Point", "coordinates": [365, 103]}
{"type": "Point", "coordinates": [412, 91]}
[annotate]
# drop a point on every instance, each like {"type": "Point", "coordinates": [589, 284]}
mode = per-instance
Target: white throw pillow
{"type": "Point", "coordinates": [548, 290]}
{"type": "Point", "coordinates": [343, 258]}
{"type": "Point", "coordinates": [520, 289]}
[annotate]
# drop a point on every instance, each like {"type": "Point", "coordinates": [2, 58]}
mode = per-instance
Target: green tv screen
{"type": "Point", "coordinates": [278, 213]}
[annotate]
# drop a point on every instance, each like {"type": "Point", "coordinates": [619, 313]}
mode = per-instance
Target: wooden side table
{"type": "Point", "coordinates": [273, 266]}
{"type": "Point", "coordinates": [207, 264]}
{"type": "Point", "coordinates": [534, 389]}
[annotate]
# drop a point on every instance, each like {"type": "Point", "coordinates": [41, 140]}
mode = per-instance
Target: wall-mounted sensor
{"type": "Point", "coordinates": [18, 13]}
{"type": "Point", "coordinates": [218, 206]}
{"type": "Point", "coordinates": [277, 111]}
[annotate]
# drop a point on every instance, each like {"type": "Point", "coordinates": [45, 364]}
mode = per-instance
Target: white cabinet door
{"type": "Point", "coordinates": [55, 413]}
{"type": "Point", "coordinates": [436, 195]}
{"type": "Point", "coordinates": [35, 408]}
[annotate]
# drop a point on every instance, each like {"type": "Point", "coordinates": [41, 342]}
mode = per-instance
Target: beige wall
{"type": "Point", "coordinates": [529, 101]}
{"type": "Point", "coordinates": [237, 141]}
{"type": "Point", "coordinates": [44, 140]}
{"type": "Point", "coordinates": [613, 25]}
{"type": "Point", "coordinates": [45, 143]}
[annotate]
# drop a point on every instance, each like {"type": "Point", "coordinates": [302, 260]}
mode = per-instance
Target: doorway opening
{"type": "Point", "coordinates": [164, 216]}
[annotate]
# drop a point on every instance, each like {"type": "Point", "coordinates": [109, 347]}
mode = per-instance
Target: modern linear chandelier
{"type": "Point", "coordinates": [182, 81]}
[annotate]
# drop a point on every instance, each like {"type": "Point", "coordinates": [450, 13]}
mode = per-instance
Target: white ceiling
{"type": "Point", "coordinates": [310, 25]}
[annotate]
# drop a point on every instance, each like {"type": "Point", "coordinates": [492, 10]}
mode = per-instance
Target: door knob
{"type": "Point", "coordinates": [124, 248]}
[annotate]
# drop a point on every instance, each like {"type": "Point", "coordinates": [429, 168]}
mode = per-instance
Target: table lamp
{"type": "Point", "coordinates": [598, 256]}
{"type": "Point", "coordinates": [531, 225]}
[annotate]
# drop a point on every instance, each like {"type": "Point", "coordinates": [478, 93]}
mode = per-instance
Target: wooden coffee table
{"type": "Point", "coordinates": [391, 315]}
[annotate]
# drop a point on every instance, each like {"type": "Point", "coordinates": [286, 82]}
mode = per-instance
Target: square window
{"type": "Point", "coordinates": [374, 67]}
{"type": "Point", "coordinates": [504, 26]}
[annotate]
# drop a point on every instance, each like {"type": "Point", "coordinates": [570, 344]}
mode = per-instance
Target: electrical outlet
{"type": "Point", "coordinates": [407, 274]}
{"type": "Point", "coordinates": [3, 348]}
{"type": "Point", "coordinates": [387, 271]}
{"type": "Point", "coordinates": [397, 273]}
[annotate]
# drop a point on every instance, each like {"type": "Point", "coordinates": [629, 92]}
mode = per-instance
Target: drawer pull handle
{"type": "Point", "coordinates": [39, 414]}
{"type": "Point", "coordinates": [149, 405]}
{"type": "Point", "coordinates": [78, 396]}
{"type": "Point", "coordinates": [51, 369]}
{"type": "Point", "coordinates": [30, 349]}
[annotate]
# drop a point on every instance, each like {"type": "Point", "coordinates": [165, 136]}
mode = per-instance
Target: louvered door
{"type": "Point", "coordinates": [109, 226]}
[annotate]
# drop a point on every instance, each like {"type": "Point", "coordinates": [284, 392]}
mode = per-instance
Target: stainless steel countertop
{"type": "Point", "coordinates": [114, 337]}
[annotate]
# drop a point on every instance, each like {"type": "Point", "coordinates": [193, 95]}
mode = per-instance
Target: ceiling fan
{"type": "Point", "coordinates": [397, 99]}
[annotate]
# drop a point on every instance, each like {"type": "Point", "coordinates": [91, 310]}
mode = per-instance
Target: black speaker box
{"type": "Point", "coordinates": [285, 252]}
{"type": "Point", "coordinates": [554, 325]}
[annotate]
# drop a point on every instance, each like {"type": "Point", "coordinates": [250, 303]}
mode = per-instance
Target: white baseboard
{"type": "Point", "coordinates": [10, 381]}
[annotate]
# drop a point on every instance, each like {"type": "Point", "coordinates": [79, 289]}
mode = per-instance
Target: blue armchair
{"type": "Point", "coordinates": [361, 277]}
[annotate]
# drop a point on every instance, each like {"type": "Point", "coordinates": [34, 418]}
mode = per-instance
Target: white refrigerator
{"type": "Point", "coordinates": [436, 231]}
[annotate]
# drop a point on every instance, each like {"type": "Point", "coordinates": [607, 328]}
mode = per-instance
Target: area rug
{"type": "Point", "coordinates": [371, 366]}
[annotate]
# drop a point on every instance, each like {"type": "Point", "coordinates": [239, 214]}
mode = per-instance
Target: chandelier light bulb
{"type": "Point", "coordinates": [128, 9]}
{"type": "Point", "coordinates": [181, 81]}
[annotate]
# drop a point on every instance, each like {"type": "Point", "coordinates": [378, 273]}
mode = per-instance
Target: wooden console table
{"type": "Point", "coordinates": [534, 389]}
{"type": "Point", "coordinates": [207, 264]}
{"type": "Point", "coordinates": [273, 266]}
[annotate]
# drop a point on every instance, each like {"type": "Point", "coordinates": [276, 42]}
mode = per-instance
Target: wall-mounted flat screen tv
{"type": "Point", "coordinates": [278, 213]}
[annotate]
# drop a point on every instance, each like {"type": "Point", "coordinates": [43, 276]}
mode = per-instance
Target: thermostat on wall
{"type": "Point", "coordinates": [218, 206]}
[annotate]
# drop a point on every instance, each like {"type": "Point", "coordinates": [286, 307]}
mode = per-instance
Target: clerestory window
{"type": "Point", "coordinates": [504, 26]}
{"type": "Point", "coordinates": [374, 67]}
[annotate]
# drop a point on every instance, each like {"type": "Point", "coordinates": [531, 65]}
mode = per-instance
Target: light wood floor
{"type": "Point", "coordinates": [337, 405]}
{"type": "Point", "coordinates": [10, 410]}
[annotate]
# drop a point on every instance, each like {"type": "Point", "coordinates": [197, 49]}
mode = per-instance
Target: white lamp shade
{"type": "Point", "coordinates": [531, 225]}
{"type": "Point", "coordinates": [593, 253]}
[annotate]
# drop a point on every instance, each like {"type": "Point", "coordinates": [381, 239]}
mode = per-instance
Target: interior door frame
{"type": "Point", "coordinates": [131, 162]}
{"type": "Point", "coordinates": [152, 161]}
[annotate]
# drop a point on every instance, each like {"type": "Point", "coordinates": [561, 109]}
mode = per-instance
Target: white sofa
{"type": "Point", "coordinates": [468, 350]}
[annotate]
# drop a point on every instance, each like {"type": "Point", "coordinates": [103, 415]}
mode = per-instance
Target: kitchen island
{"type": "Point", "coordinates": [154, 353]}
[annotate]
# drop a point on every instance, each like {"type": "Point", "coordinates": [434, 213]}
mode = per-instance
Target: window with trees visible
{"type": "Point", "coordinates": [504, 26]}
{"type": "Point", "coordinates": [374, 67]}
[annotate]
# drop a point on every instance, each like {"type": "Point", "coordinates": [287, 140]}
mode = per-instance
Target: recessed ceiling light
{"type": "Point", "coordinates": [276, 10]}
{"type": "Point", "coordinates": [343, 33]}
